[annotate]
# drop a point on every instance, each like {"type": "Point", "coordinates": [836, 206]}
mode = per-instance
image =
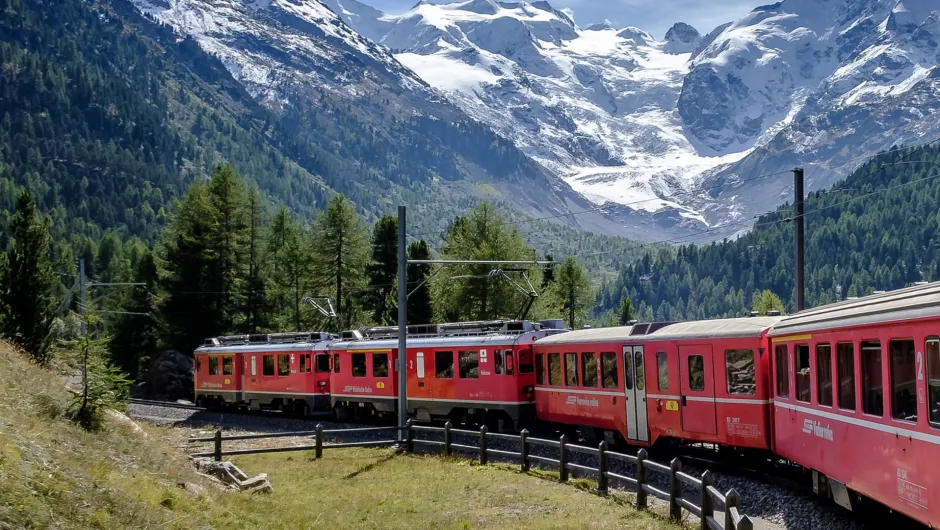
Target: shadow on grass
{"type": "Point", "coordinates": [371, 466]}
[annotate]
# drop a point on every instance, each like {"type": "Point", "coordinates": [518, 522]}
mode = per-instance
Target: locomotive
{"type": "Point", "coordinates": [849, 391]}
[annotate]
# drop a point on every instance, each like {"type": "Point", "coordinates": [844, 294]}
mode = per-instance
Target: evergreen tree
{"type": "Point", "coordinates": [419, 303]}
{"type": "Point", "coordinates": [340, 256]}
{"type": "Point", "coordinates": [256, 307]}
{"type": "Point", "coordinates": [382, 272]}
{"type": "Point", "coordinates": [28, 304]}
{"type": "Point", "coordinates": [765, 302]}
{"type": "Point", "coordinates": [626, 311]}
{"type": "Point", "coordinates": [572, 292]}
{"type": "Point", "coordinates": [227, 235]}
{"type": "Point", "coordinates": [293, 273]}
{"type": "Point", "coordinates": [137, 333]}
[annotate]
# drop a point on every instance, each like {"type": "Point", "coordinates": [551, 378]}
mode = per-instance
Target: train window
{"type": "Point", "coordinates": [509, 364]}
{"type": "Point", "coordinates": [469, 364]}
{"type": "Point", "coordinates": [525, 362]}
{"type": "Point", "coordinates": [228, 365]}
{"type": "Point", "coordinates": [304, 367]}
{"type": "Point", "coordinates": [420, 368]}
{"type": "Point", "coordinates": [739, 366]}
{"type": "Point", "coordinates": [609, 369]}
{"type": "Point", "coordinates": [801, 352]}
{"type": "Point", "coordinates": [498, 359]}
{"type": "Point", "coordinates": [213, 366]}
{"type": "Point", "coordinates": [696, 372]}
{"type": "Point", "coordinates": [379, 365]}
{"type": "Point", "coordinates": [283, 365]}
{"type": "Point", "coordinates": [640, 371]}
{"type": "Point", "coordinates": [571, 369]}
{"type": "Point", "coordinates": [872, 396]}
{"type": "Point", "coordinates": [554, 369]}
{"type": "Point", "coordinates": [267, 367]}
{"type": "Point", "coordinates": [358, 365]}
{"type": "Point", "coordinates": [824, 374]}
{"type": "Point", "coordinates": [539, 369]}
{"type": "Point", "coordinates": [323, 362]}
{"type": "Point", "coordinates": [845, 356]}
{"type": "Point", "coordinates": [254, 366]}
{"type": "Point", "coordinates": [335, 363]}
{"type": "Point", "coordinates": [933, 380]}
{"type": "Point", "coordinates": [782, 369]}
{"type": "Point", "coordinates": [198, 364]}
{"type": "Point", "coordinates": [444, 364]}
{"type": "Point", "coordinates": [662, 370]}
{"type": "Point", "coordinates": [903, 380]}
{"type": "Point", "coordinates": [589, 369]}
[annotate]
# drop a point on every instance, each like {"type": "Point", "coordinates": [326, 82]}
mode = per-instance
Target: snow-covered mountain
{"type": "Point", "coordinates": [678, 128]}
{"type": "Point", "coordinates": [379, 129]}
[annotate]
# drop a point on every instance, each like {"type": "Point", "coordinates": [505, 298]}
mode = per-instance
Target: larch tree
{"type": "Point", "coordinates": [228, 232]}
{"type": "Point", "coordinates": [289, 255]}
{"type": "Point", "coordinates": [766, 301]}
{"type": "Point", "coordinates": [419, 303]}
{"type": "Point", "coordinates": [256, 309]}
{"type": "Point", "coordinates": [572, 291]}
{"type": "Point", "coordinates": [137, 332]}
{"type": "Point", "coordinates": [27, 296]}
{"type": "Point", "coordinates": [340, 256]}
{"type": "Point", "coordinates": [625, 313]}
{"type": "Point", "coordinates": [382, 272]}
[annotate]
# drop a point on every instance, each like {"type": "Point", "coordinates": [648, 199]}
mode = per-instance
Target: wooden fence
{"type": "Point", "coordinates": [715, 511]}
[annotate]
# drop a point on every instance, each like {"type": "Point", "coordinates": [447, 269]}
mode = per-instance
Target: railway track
{"type": "Point", "coordinates": [167, 404]}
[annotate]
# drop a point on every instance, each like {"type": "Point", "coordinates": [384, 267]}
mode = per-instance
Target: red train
{"type": "Point", "coordinates": [849, 391]}
{"type": "Point", "coordinates": [285, 371]}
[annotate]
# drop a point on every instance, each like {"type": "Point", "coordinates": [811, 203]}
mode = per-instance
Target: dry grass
{"type": "Point", "coordinates": [54, 475]}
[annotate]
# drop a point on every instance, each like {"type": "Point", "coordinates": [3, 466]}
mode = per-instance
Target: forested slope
{"type": "Point", "coordinates": [877, 230]}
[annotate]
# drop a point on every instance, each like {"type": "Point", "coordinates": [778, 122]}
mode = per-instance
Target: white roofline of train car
{"type": "Point", "coordinates": [919, 301]}
{"type": "Point", "coordinates": [265, 347]}
{"type": "Point", "coordinates": [435, 341]}
{"type": "Point", "coordinates": [743, 327]}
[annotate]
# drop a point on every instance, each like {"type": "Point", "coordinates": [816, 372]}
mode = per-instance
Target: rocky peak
{"type": "Point", "coordinates": [682, 38]}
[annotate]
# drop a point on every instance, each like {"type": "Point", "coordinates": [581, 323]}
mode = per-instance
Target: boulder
{"type": "Point", "coordinates": [121, 418]}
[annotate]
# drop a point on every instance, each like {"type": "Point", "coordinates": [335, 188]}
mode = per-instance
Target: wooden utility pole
{"type": "Point", "coordinates": [798, 280]}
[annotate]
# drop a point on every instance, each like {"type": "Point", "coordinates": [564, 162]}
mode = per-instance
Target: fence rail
{"type": "Point", "coordinates": [729, 517]}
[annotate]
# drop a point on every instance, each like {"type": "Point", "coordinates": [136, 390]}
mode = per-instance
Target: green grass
{"type": "Point", "coordinates": [55, 475]}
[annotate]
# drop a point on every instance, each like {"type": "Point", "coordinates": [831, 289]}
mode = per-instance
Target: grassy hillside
{"type": "Point", "coordinates": [55, 475]}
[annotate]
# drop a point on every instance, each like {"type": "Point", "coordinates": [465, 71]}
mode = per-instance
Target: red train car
{"type": "Point", "coordinates": [857, 399]}
{"type": "Point", "coordinates": [471, 372]}
{"type": "Point", "coordinates": [286, 371]}
{"type": "Point", "coordinates": [700, 381]}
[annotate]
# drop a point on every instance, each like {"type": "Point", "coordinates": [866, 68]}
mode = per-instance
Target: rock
{"type": "Point", "coordinates": [121, 418]}
{"type": "Point", "coordinates": [229, 474]}
{"type": "Point", "coordinates": [170, 376]}
{"type": "Point", "coordinates": [194, 489]}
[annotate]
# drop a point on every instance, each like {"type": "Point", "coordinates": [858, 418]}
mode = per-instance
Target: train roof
{"type": "Point", "coordinates": [266, 347]}
{"type": "Point", "coordinates": [439, 341]}
{"type": "Point", "coordinates": [704, 329]}
{"type": "Point", "coordinates": [919, 301]}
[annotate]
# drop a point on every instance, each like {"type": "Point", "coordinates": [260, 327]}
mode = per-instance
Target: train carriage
{"type": "Point", "coordinates": [472, 371]}
{"type": "Point", "coordinates": [286, 371]}
{"type": "Point", "coordinates": [689, 381]}
{"type": "Point", "coordinates": [857, 398]}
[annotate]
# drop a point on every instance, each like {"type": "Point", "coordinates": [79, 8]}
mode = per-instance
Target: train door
{"type": "Point", "coordinates": [635, 386]}
{"type": "Point", "coordinates": [698, 389]}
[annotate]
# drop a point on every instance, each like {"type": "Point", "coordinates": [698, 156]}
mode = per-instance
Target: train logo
{"type": "Point", "coordinates": [575, 400]}
{"type": "Point", "coordinates": [359, 389]}
{"type": "Point", "coordinates": [816, 429]}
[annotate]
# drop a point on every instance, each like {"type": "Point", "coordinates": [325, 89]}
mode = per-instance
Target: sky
{"type": "Point", "coordinates": [655, 16]}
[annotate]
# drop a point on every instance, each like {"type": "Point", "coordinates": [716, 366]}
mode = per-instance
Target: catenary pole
{"type": "Point", "coordinates": [402, 323]}
{"type": "Point", "coordinates": [798, 280]}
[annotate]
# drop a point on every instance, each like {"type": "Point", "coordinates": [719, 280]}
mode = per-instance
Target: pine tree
{"type": "Point", "coordinates": [382, 272]}
{"type": "Point", "coordinates": [626, 311]}
{"type": "Point", "coordinates": [28, 305]}
{"type": "Point", "coordinates": [137, 333]}
{"type": "Point", "coordinates": [340, 256]}
{"type": "Point", "coordinates": [572, 291]}
{"type": "Point", "coordinates": [765, 302]}
{"type": "Point", "coordinates": [419, 303]}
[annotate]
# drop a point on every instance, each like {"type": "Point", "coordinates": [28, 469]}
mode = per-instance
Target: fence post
{"type": "Point", "coordinates": [483, 458]}
{"type": "Point", "coordinates": [409, 436]}
{"type": "Point", "coordinates": [218, 445]}
{"type": "Point", "coordinates": [675, 490]}
{"type": "Point", "coordinates": [524, 450]}
{"type": "Point", "coordinates": [563, 458]}
{"type": "Point", "coordinates": [318, 452]}
{"type": "Point", "coordinates": [642, 475]}
{"type": "Point", "coordinates": [447, 427]}
{"type": "Point", "coordinates": [732, 499]}
{"type": "Point", "coordinates": [602, 468]}
{"type": "Point", "coordinates": [746, 524]}
{"type": "Point", "coordinates": [708, 507]}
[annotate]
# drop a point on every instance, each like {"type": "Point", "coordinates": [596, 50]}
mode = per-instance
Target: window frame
{"type": "Point", "coordinates": [498, 362]}
{"type": "Point", "coordinates": [852, 373]}
{"type": "Point", "coordinates": [304, 367]}
{"type": "Point", "coordinates": [820, 391]}
{"type": "Point", "coordinates": [286, 372]}
{"type": "Point", "coordinates": [438, 356]}
{"type": "Point", "coordinates": [509, 367]}
{"type": "Point", "coordinates": [569, 356]}
{"type": "Point", "coordinates": [689, 359]}
{"type": "Point", "coordinates": [891, 374]}
{"type": "Point", "coordinates": [934, 423]}
{"type": "Point", "coordinates": [383, 356]}
{"type": "Point", "coordinates": [615, 376]}
{"type": "Point", "coordinates": [353, 357]}
{"type": "Point", "coordinates": [752, 383]}
{"type": "Point", "coordinates": [552, 381]}
{"type": "Point", "coordinates": [315, 363]}
{"type": "Point", "coordinates": [264, 365]}
{"type": "Point", "coordinates": [783, 377]}
{"type": "Point", "coordinates": [472, 355]}
{"type": "Point", "coordinates": [540, 368]}
{"type": "Point", "coordinates": [807, 378]}
{"type": "Point", "coordinates": [526, 367]}
{"type": "Point", "coordinates": [336, 363]}
{"type": "Point", "coordinates": [585, 371]}
{"type": "Point", "coordinates": [662, 361]}
{"type": "Point", "coordinates": [214, 365]}
{"type": "Point", "coordinates": [865, 383]}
